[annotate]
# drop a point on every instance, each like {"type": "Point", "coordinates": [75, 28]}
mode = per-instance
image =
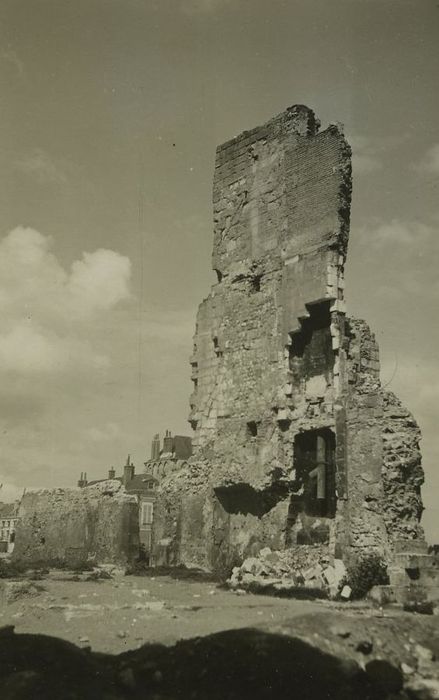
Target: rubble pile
{"type": "Point", "coordinates": [291, 570]}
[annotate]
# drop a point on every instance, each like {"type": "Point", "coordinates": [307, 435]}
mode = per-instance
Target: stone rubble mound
{"type": "Point", "coordinates": [111, 487]}
{"type": "Point", "coordinates": [289, 570]}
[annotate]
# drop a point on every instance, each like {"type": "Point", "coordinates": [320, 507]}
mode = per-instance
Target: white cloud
{"type": "Point", "coordinates": [364, 163]}
{"type": "Point", "coordinates": [402, 255]}
{"type": "Point", "coordinates": [396, 233]}
{"type": "Point", "coordinates": [45, 308]}
{"type": "Point", "coordinates": [26, 349]}
{"type": "Point", "coordinates": [99, 281]}
{"type": "Point", "coordinates": [430, 162]}
{"type": "Point", "coordinates": [365, 155]}
{"type": "Point", "coordinates": [39, 165]}
{"type": "Point", "coordinates": [109, 431]}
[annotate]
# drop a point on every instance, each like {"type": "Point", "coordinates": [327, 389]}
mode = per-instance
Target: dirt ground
{"type": "Point", "coordinates": [166, 638]}
{"type": "Point", "coordinates": [127, 611]}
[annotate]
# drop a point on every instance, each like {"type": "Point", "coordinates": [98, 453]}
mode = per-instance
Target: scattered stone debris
{"type": "Point", "coordinates": [341, 631]}
{"type": "Point", "coordinates": [346, 592]}
{"type": "Point", "coordinates": [365, 646]}
{"type": "Point", "coordinates": [11, 591]}
{"type": "Point", "coordinates": [307, 569]}
{"type": "Point", "coordinates": [423, 689]}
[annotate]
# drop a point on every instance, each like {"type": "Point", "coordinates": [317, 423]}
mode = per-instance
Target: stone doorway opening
{"type": "Point", "coordinates": [313, 501]}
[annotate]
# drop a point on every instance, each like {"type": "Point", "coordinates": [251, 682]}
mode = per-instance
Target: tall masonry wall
{"type": "Point", "coordinates": [291, 426]}
{"type": "Point", "coordinates": [98, 524]}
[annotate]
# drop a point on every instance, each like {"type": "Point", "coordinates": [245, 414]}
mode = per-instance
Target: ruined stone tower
{"type": "Point", "coordinates": [295, 443]}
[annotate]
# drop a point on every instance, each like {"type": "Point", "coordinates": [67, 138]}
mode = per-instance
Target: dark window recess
{"type": "Point", "coordinates": [255, 283]}
{"type": "Point", "coordinates": [310, 352]}
{"type": "Point", "coordinates": [217, 350]}
{"type": "Point", "coordinates": [413, 574]}
{"type": "Point", "coordinates": [252, 428]}
{"type": "Point", "coordinates": [219, 275]}
{"type": "Point", "coordinates": [314, 462]}
{"type": "Point", "coordinates": [195, 381]}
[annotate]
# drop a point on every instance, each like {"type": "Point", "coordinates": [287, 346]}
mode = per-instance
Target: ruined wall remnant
{"type": "Point", "coordinates": [72, 526]}
{"type": "Point", "coordinates": [402, 473]}
{"type": "Point", "coordinates": [295, 442]}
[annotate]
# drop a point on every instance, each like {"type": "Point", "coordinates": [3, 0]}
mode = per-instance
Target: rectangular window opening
{"type": "Point", "coordinates": [252, 428]}
{"type": "Point", "coordinates": [147, 513]}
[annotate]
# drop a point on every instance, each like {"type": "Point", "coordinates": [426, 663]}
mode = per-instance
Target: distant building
{"type": "Point", "coordinates": [144, 487]}
{"type": "Point", "coordinates": [169, 457]}
{"type": "Point", "coordinates": [174, 447]}
{"type": "Point", "coordinates": [8, 522]}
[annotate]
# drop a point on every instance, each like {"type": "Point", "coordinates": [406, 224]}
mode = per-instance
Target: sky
{"type": "Point", "coordinates": [110, 114]}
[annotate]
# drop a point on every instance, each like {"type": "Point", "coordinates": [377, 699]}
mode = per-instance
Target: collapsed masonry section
{"type": "Point", "coordinates": [292, 430]}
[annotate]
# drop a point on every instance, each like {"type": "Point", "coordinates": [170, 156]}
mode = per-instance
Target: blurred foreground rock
{"type": "Point", "coordinates": [321, 656]}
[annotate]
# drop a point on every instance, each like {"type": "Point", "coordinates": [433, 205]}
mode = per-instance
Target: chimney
{"type": "Point", "coordinates": [111, 473]}
{"type": "Point", "coordinates": [155, 448]}
{"type": "Point", "coordinates": [168, 443]}
{"type": "Point", "coordinates": [128, 471]}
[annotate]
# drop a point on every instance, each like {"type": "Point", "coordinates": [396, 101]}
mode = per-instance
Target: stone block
{"type": "Point", "coordinates": [346, 592]}
{"type": "Point", "coordinates": [329, 574]}
{"type": "Point", "coordinates": [410, 561]}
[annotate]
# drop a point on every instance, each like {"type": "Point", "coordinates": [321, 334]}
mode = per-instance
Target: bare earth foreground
{"type": "Point", "coordinates": [123, 613]}
{"type": "Point", "coordinates": [124, 639]}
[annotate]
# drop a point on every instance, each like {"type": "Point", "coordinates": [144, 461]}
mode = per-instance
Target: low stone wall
{"type": "Point", "coordinates": [71, 526]}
